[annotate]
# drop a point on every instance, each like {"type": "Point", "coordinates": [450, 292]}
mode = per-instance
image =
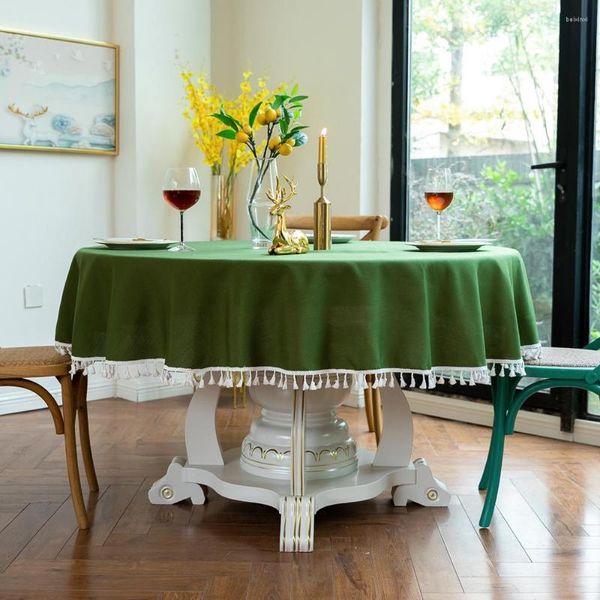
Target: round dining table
{"type": "Point", "coordinates": [299, 331]}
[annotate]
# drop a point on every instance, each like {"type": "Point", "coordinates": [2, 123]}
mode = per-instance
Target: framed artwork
{"type": "Point", "coordinates": [58, 94]}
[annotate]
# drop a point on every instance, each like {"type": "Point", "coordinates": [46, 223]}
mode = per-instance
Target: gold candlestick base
{"type": "Point", "coordinates": [322, 231]}
{"type": "Point", "coordinates": [322, 218]}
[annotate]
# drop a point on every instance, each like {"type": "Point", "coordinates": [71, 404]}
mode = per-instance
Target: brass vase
{"type": "Point", "coordinates": [222, 213]}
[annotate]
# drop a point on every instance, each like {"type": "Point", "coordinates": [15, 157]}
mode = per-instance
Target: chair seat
{"type": "Point", "coordinates": [573, 358]}
{"type": "Point", "coordinates": [33, 361]}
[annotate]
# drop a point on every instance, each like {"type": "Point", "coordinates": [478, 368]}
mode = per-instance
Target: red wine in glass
{"type": "Point", "coordinates": [181, 189]}
{"type": "Point", "coordinates": [181, 199]}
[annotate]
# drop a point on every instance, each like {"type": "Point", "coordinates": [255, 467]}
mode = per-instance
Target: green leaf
{"type": "Point", "coordinates": [298, 98]}
{"type": "Point", "coordinates": [279, 100]}
{"type": "Point", "coordinates": [227, 120]}
{"type": "Point", "coordinates": [253, 113]}
{"type": "Point", "coordinates": [298, 128]}
{"type": "Point", "coordinates": [228, 134]}
{"type": "Point", "coordinates": [284, 123]}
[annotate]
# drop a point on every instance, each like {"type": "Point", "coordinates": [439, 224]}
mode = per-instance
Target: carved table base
{"type": "Point", "coordinates": [302, 430]}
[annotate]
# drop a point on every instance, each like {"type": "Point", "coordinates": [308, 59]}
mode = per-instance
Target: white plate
{"type": "Point", "coordinates": [464, 245]}
{"type": "Point", "coordinates": [336, 238]}
{"type": "Point", "coordinates": [134, 243]}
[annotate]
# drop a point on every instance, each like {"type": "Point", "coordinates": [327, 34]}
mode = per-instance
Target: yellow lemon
{"type": "Point", "coordinates": [274, 142]}
{"type": "Point", "coordinates": [270, 115]}
{"type": "Point", "coordinates": [241, 137]}
{"type": "Point", "coordinates": [248, 129]}
{"type": "Point", "coordinates": [285, 149]}
{"type": "Point", "coordinates": [260, 119]}
{"type": "Point", "coordinates": [291, 142]}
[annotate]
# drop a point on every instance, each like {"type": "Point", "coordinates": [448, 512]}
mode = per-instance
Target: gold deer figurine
{"type": "Point", "coordinates": [285, 242]}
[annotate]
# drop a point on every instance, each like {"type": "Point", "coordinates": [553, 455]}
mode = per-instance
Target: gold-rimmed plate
{"type": "Point", "coordinates": [460, 245]}
{"type": "Point", "coordinates": [138, 243]}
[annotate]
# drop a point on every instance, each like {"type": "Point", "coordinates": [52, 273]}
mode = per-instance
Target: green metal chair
{"type": "Point", "coordinates": [556, 367]}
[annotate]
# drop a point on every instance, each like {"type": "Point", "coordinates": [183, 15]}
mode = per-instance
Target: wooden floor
{"type": "Point", "coordinates": [544, 541]}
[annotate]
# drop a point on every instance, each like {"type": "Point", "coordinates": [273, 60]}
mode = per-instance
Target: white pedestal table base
{"type": "Point", "coordinates": [298, 499]}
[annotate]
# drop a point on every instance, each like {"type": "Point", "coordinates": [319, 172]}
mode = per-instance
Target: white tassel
{"type": "Point", "coordinates": [313, 385]}
{"type": "Point", "coordinates": [256, 380]}
{"type": "Point", "coordinates": [305, 385]}
{"type": "Point", "coordinates": [471, 379]}
{"type": "Point", "coordinates": [295, 383]}
{"type": "Point", "coordinates": [412, 380]}
{"type": "Point", "coordinates": [327, 382]}
{"type": "Point", "coordinates": [431, 380]}
{"type": "Point", "coordinates": [336, 385]}
{"type": "Point", "coordinates": [462, 379]}
{"type": "Point", "coordinates": [402, 382]}
{"type": "Point", "coordinates": [211, 381]}
{"type": "Point", "coordinates": [285, 383]}
{"type": "Point", "coordinates": [272, 382]}
{"type": "Point", "coordinates": [423, 386]}
{"type": "Point", "coordinates": [392, 380]}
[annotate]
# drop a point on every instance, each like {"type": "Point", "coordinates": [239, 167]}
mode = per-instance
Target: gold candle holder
{"type": "Point", "coordinates": [322, 217]}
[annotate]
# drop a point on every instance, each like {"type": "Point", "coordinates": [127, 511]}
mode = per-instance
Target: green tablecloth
{"type": "Point", "coordinates": [363, 307]}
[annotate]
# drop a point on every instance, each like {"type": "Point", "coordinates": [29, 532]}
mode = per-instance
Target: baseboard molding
{"type": "Point", "coordinates": [15, 400]}
{"type": "Point", "coordinates": [356, 398]}
{"type": "Point", "coordinates": [467, 411]}
{"type": "Point", "coordinates": [145, 389]}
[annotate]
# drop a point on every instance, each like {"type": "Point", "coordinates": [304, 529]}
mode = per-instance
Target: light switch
{"type": "Point", "coordinates": [34, 296]}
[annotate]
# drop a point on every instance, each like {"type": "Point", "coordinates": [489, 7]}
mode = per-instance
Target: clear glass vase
{"type": "Point", "coordinates": [222, 207]}
{"type": "Point", "coordinates": [262, 224]}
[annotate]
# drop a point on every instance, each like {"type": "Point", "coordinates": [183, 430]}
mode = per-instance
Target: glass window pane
{"type": "Point", "coordinates": [483, 102]}
{"type": "Point", "coordinates": [593, 400]}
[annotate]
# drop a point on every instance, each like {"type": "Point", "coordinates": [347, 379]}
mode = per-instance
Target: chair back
{"type": "Point", "coordinates": [372, 224]}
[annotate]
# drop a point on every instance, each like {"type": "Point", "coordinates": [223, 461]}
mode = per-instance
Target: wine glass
{"type": "Point", "coordinates": [181, 189]}
{"type": "Point", "coordinates": [439, 192]}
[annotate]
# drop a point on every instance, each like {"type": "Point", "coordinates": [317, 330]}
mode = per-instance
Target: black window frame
{"type": "Point", "coordinates": [573, 208]}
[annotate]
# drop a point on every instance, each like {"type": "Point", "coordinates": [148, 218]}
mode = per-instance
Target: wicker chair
{"type": "Point", "coordinates": [557, 367]}
{"type": "Point", "coordinates": [373, 225]}
{"type": "Point", "coordinates": [17, 365]}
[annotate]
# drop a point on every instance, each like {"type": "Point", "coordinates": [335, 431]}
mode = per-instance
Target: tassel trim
{"type": "Point", "coordinates": [293, 380]}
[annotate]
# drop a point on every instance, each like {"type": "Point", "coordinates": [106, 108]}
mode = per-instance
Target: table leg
{"type": "Point", "coordinates": [395, 451]}
{"type": "Point", "coordinates": [297, 510]}
{"type": "Point", "coordinates": [298, 431]}
{"type": "Point", "coordinates": [203, 448]}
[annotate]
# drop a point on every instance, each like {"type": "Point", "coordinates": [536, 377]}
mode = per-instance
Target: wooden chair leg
{"type": "Point", "coordinates": [235, 390]}
{"type": "Point", "coordinates": [80, 384]}
{"type": "Point", "coordinates": [69, 410]}
{"type": "Point", "coordinates": [369, 406]}
{"type": "Point", "coordinates": [377, 414]}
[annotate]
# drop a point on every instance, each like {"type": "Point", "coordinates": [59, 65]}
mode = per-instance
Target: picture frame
{"type": "Point", "coordinates": [58, 94]}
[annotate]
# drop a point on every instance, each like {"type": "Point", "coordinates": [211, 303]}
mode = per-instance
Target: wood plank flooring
{"type": "Point", "coordinates": [544, 542]}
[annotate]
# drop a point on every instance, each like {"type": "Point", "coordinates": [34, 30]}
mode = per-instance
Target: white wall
{"type": "Point", "coordinates": [157, 38]}
{"type": "Point", "coordinates": [52, 204]}
{"type": "Point", "coordinates": [334, 55]}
